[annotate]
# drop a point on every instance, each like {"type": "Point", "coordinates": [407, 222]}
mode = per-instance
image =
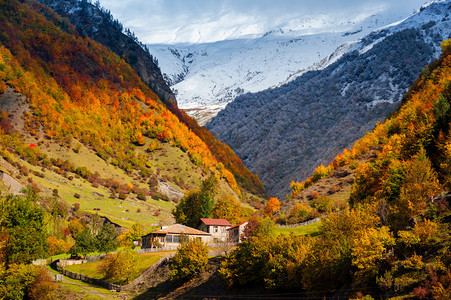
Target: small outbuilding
{"type": "Point", "coordinates": [236, 233]}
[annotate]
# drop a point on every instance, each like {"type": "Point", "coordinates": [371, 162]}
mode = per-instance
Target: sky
{"type": "Point", "coordinates": [202, 21]}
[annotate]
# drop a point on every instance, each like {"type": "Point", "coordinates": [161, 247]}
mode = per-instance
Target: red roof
{"type": "Point", "coordinates": [178, 228]}
{"type": "Point", "coordinates": [237, 225]}
{"type": "Point", "coordinates": [215, 222]}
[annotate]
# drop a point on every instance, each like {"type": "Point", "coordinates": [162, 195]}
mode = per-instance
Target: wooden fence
{"type": "Point", "coordinates": [301, 224]}
{"type": "Point", "coordinates": [117, 287]}
{"type": "Point", "coordinates": [147, 250]}
{"type": "Point", "coordinates": [99, 282]}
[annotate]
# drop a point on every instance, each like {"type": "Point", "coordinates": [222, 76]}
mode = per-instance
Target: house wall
{"type": "Point", "coordinates": [218, 233]}
{"type": "Point", "coordinates": [171, 240]}
{"type": "Point", "coordinates": [236, 233]}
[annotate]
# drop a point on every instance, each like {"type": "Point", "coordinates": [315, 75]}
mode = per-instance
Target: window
{"type": "Point", "coordinates": [169, 238]}
{"type": "Point", "coordinates": [176, 239]}
{"type": "Point", "coordinates": [215, 228]}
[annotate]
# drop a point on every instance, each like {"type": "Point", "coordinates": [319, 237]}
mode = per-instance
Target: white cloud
{"type": "Point", "coordinates": [178, 21]}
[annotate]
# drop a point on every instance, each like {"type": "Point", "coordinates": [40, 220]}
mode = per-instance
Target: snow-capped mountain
{"type": "Point", "coordinates": [283, 133]}
{"type": "Point", "coordinates": [205, 77]}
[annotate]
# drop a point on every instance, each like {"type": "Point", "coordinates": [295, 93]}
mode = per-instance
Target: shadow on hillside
{"type": "Point", "coordinates": [208, 285]}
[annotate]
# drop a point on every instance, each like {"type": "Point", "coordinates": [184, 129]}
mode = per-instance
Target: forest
{"type": "Point", "coordinates": [394, 237]}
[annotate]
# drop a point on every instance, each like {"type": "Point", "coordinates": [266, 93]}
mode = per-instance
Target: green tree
{"type": "Point", "coordinates": [197, 204]}
{"type": "Point", "coordinates": [190, 259]}
{"type": "Point", "coordinates": [106, 239]}
{"type": "Point", "coordinates": [22, 222]}
{"type": "Point", "coordinates": [84, 243]}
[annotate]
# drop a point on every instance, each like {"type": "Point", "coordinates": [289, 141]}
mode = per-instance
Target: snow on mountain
{"type": "Point", "coordinates": [283, 133]}
{"type": "Point", "coordinates": [205, 77]}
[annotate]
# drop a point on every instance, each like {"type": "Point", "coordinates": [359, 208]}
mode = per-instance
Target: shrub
{"type": "Point", "coordinates": [43, 287]}
{"type": "Point", "coordinates": [190, 259]}
{"type": "Point", "coordinates": [322, 204]}
{"type": "Point", "coordinates": [142, 196]}
{"type": "Point", "coordinates": [321, 171]}
{"type": "Point", "coordinates": [120, 267]}
{"type": "Point", "coordinates": [77, 195]}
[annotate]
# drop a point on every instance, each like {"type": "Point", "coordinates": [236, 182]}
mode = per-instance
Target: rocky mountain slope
{"type": "Point", "coordinates": [283, 133]}
{"type": "Point", "coordinates": [97, 23]}
{"type": "Point", "coordinates": [206, 77]}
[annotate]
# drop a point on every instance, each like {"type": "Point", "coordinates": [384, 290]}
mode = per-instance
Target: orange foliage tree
{"type": "Point", "coordinates": [272, 206]}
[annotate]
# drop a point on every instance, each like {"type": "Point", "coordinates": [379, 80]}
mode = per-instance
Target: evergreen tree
{"type": "Point", "coordinates": [197, 204]}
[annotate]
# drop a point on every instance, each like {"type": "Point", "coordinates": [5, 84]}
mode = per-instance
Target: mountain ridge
{"type": "Point", "coordinates": [207, 76]}
{"type": "Point", "coordinates": [282, 134]}
{"type": "Point", "coordinates": [99, 24]}
{"type": "Point", "coordinates": [89, 127]}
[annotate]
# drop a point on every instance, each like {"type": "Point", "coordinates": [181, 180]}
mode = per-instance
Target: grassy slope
{"type": "Point", "coordinates": [146, 260]}
{"type": "Point", "coordinates": [75, 289]}
{"type": "Point", "coordinates": [310, 229]}
{"type": "Point", "coordinates": [169, 163]}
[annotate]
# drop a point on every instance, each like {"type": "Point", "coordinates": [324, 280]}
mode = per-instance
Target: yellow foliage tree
{"type": "Point", "coordinates": [227, 208]}
{"type": "Point", "coordinates": [370, 247]}
{"type": "Point", "coordinates": [420, 183]}
{"type": "Point", "coordinates": [120, 267]}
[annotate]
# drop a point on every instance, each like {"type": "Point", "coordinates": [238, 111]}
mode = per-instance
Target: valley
{"type": "Point", "coordinates": [312, 160]}
{"type": "Point", "coordinates": [283, 133]}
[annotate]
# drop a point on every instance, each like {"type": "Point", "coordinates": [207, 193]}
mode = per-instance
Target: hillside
{"type": "Point", "coordinates": [97, 23]}
{"type": "Point", "coordinates": [79, 124]}
{"type": "Point", "coordinates": [283, 133]}
{"type": "Point", "coordinates": [392, 238]}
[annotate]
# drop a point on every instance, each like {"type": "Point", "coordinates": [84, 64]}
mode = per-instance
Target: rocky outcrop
{"type": "Point", "coordinates": [99, 25]}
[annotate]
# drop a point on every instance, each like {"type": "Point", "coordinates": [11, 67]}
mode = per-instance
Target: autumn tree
{"type": "Point", "coordinates": [258, 227]}
{"type": "Point", "coordinates": [57, 246]}
{"type": "Point", "coordinates": [75, 226]}
{"type": "Point", "coordinates": [197, 203]}
{"type": "Point", "coordinates": [43, 286]}
{"type": "Point", "coordinates": [130, 236]}
{"type": "Point", "coordinates": [271, 207]}
{"type": "Point", "coordinates": [268, 261]}
{"type": "Point", "coordinates": [191, 258]}
{"type": "Point", "coordinates": [420, 183]}
{"type": "Point", "coordinates": [26, 281]}
{"type": "Point", "coordinates": [121, 266]}
{"type": "Point", "coordinates": [227, 208]}
{"type": "Point", "coordinates": [369, 250]}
